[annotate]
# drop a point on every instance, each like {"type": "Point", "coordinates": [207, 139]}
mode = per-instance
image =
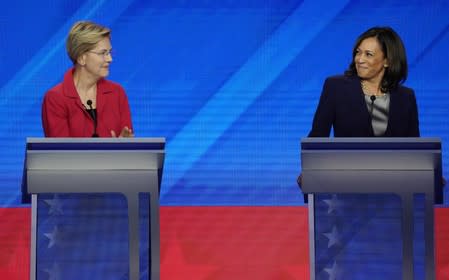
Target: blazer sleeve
{"type": "Point", "coordinates": [414, 120]}
{"type": "Point", "coordinates": [325, 113]}
{"type": "Point", "coordinates": [54, 117]}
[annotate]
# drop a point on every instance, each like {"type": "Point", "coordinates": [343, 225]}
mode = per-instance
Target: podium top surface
{"type": "Point", "coordinates": [371, 143]}
{"type": "Point", "coordinates": [95, 154]}
{"type": "Point", "coordinates": [370, 154]}
{"type": "Point", "coordinates": [157, 143]}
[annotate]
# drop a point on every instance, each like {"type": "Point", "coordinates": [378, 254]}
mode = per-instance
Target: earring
{"type": "Point", "coordinates": [385, 65]}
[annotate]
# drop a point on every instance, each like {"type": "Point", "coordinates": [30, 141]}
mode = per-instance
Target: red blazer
{"type": "Point", "coordinates": [63, 114]}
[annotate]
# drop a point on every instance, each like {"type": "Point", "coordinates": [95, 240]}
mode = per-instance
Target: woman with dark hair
{"type": "Point", "coordinates": [369, 99]}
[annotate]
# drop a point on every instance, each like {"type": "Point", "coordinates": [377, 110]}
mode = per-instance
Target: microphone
{"type": "Point", "coordinates": [373, 98]}
{"type": "Point", "coordinates": [94, 117]}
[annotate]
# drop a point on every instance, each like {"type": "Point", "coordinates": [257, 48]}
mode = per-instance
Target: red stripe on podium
{"type": "Point", "coordinates": [215, 243]}
{"type": "Point", "coordinates": [15, 227]}
{"type": "Point", "coordinates": [442, 243]}
{"type": "Point", "coordinates": [234, 243]}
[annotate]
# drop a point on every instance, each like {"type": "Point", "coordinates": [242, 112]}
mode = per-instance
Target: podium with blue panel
{"type": "Point", "coordinates": [95, 207]}
{"type": "Point", "coordinates": [371, 206]}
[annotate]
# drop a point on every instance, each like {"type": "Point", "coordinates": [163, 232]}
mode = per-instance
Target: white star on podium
{"type": "Point", "coordinates": [53, 237]}
{"type": "Point", "coordinates": [333, 236]}
{"type": "Point", "coordinates": [54, 273]}
{"type": "Point", "coordinates": [334, 204]}
{"type": "Point", "coordinates": [55, 205]}
{"type": "Point", "coordinates": [334, 272]}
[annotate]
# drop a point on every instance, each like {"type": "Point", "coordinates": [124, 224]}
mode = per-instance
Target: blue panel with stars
{"type": "Point", "coordinates": [85, 236]}
{"type": "Point", "coordinates": [358, 235]}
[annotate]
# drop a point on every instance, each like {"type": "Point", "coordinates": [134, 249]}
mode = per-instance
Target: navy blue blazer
{"type": "Point", "coordinates": [342, 106]}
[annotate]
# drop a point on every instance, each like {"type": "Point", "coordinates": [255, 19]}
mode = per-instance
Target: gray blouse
{"type": "Point", "coordinates": [378, 110]}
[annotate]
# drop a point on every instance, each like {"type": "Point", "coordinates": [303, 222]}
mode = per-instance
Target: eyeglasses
{"type": "Point", "coordinates": [103, 53]}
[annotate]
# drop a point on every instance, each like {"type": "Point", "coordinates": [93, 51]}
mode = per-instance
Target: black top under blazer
{"type": "Point", "coordinates": [342, 106]}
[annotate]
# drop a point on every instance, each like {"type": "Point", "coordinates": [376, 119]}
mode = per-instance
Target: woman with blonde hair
{"type": "Point", "coordinates": [85, 104]}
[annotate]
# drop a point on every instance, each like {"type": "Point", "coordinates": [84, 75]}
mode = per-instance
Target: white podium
{"type": "Point", "coordinates": [125, 166]}
{"type": "Point", "coordinates": [371, 206]}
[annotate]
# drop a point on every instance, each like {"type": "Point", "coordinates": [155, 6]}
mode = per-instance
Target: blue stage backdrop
{"type": "Point", "coordinates": [231, 84]}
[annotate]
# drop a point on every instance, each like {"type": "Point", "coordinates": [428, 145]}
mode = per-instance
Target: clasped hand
{"type": "Point", "coordinates": [126, 132]}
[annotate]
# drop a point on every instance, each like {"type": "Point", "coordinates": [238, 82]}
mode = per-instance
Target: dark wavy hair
{"type": "Point", "coordinates": [394, 51]}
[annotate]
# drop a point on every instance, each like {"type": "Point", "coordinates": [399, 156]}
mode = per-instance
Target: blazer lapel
{"type": "Point", "coordinates": [361, 103]}
{"type": "Point", "coordinates": [392, 111]}
{"type": "Point", "coordinates": [70, 90]}
{"type": "Point", "coordinates": [100, 99]}
{"type": "Point", "coordinates": [102, 90]}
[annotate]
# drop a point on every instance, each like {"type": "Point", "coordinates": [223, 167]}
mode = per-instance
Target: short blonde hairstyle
{"type": "Point", "coordinates": [83, 37]}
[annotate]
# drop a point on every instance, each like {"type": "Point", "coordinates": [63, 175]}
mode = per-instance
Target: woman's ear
{"type": "Point", "coordinates": [81, 60]}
